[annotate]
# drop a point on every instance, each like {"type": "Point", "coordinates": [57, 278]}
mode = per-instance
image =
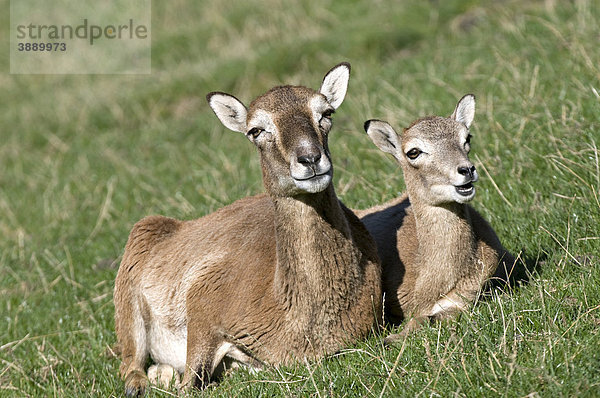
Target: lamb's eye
{"type": "Point", "coordinates": [255, 132]}
{"type": "Point", "coordinates": [468, 141]}
{"type": "Point", "coordinates": [413, 153]}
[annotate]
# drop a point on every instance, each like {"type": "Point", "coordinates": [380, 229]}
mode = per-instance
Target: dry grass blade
{"type": "Point", "coordinates": [492, 181]}
{"type": "Point", "coordinates": [391, 374]}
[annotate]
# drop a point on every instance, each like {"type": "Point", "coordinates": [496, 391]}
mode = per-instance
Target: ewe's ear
{"type": "Point", "coordinates": [335, 84]}
{"type": "Point", "coordinates": [465, 110]}
{"type": "Point", "coordinates": [230, 111]}
{"type": "Point", "coordinates": [383, 135]}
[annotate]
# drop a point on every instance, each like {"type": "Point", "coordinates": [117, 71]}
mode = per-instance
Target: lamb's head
{"type": "Point", "coordinates": [434, 154]}
{"type": "Point", "coordinates": [289, 126]}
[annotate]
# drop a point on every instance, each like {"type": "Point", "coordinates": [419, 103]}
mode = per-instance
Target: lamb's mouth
{"type": "Point", "coordinates": [466, 189]}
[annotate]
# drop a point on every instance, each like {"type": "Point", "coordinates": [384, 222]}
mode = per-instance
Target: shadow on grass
{"type": "Point", "coordinates": [508, 279]}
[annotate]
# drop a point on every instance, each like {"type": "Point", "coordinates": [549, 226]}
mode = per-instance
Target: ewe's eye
{"type": "Point", "coordinates": [413, 153]}
{"type": "Point", "coordinates": [255, 132]}
{"type": "Point", "coordinates": [326, 118]}
{"type": "Point", "coordinates": [327, 114]}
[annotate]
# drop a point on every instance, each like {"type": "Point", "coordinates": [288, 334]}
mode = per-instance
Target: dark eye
{"type": "Point", "coordinates": [468, 141]}
{"type": "Point", "coordinates": [413, 153]}
{"type": "Point", "coordinates": [327, 114]}
{"type": "Point", "coordinates": [255, 132]}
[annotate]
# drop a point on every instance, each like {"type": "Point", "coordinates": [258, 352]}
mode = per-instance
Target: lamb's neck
{"type": "Point", "coordinates": [445, 235]}
{"type": "Point", "coordinates": [316, 259]}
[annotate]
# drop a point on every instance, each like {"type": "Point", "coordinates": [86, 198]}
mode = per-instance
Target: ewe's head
{"type": "Point", "coordinates": [433, 153]}
{"type": "Point", "coordinates": [289, 126]}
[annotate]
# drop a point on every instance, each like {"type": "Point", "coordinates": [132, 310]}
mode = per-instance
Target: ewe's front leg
{"type": "Point", "coordinates": [136, 383]}
{"type": "Point", "coordinates": [203, 343]}
{"type": "Point", "coordinates": [201, 351]}
{"type": "Point", "coordinates": [132, 337]}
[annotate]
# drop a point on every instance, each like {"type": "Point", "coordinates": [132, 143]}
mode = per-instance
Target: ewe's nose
{"type": "Point", "coordinates": [308, 155]}
{"type": "Point", "coordinates": [467, 171]}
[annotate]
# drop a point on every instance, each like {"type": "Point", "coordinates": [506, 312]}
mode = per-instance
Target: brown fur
{"type": "Point", "coordinates": [278, 276]}
{"type": "Point", "coordinates": [431, 248]}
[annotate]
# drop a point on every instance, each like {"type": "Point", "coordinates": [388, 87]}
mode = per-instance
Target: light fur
{"type": "Point", "coordinates": [437, 252]}
{"type": "Point", "coordinates": [291, 274]}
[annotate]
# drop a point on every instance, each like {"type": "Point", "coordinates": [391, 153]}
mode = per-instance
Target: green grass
{"type": "Point", "coordinates": [84, 157]}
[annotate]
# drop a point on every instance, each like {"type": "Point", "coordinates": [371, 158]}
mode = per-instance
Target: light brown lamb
{"type": "Point", "coordinates": [290, 274]}
{"type": "Point", "coordinates": [437, 252]}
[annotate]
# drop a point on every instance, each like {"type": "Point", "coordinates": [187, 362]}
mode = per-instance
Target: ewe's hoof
{"type": "Point", "coordinates": [135, 384]}
{"type": "Point", "coordinates": [163, 375]}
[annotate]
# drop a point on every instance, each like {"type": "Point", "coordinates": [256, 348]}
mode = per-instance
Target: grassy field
{"type": "Point", "coordinates": [82, 158]}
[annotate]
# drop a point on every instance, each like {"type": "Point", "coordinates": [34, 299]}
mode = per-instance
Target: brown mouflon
{"type": "Point", "coordinates": [290, 274]}
{"type": "Point", "coordinates": [437, 252]}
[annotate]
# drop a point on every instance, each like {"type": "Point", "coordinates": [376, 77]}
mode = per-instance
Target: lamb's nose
{"type": "Point", "coordinates": [466, 171]}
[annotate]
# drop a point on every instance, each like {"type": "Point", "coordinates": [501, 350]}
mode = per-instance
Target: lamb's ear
{"type": "Point", "coordinates": [465, 110]}
{"type": "Point", "coordinates": [230, 110]}
{"type": "Point", "coordinates": [335, 84]}
{"type": "Point", "coordinates": [383, 135]}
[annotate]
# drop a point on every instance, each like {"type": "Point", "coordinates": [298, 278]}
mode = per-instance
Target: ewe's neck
{"type": "Point", "coordinates": [309, 213]}
{"type": "Point", "coordinates": [316, 260]}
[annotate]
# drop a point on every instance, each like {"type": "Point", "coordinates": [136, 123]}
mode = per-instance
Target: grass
{"type": "Point", "coordinates": [84, 157]}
